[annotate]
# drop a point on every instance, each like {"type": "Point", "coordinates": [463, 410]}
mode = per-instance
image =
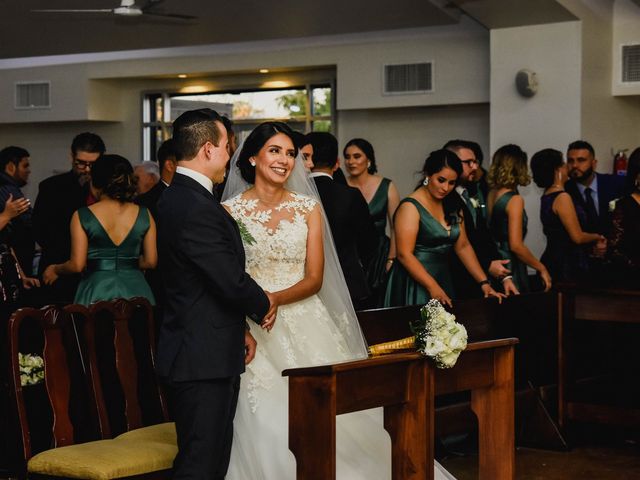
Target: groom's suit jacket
{"type": "Point", "coordinates": [208, 293]}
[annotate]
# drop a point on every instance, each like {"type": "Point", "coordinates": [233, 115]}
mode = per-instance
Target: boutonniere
{"type": "Point", "coordinates": [612, 204]}
{"type": "Point", "coordinates": [475, 203]}
{"type": "Point", "coordinates": [245, 234]}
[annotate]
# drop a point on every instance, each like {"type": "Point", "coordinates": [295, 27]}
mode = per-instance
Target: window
{"type": "Point", "coordinates": [305, 109]}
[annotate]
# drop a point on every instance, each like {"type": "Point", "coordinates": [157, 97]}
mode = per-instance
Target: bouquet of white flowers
{"type": "Point", "coordinates": [437, 335]}
{"type": "Point", "coordinates": [31, 369]}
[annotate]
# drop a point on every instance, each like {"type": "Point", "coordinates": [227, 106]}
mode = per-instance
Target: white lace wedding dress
{"type": "Point", "coordinates": [275, 243]}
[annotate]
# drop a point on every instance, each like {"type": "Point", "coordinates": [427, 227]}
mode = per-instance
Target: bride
{"type": "Point", "coordinates": [290, 252]}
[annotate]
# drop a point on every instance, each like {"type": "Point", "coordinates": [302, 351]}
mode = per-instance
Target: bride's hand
{"type": "Point", "coordinates": [250, 345]}
{"type": "Point", "coordinates": [270, 318]}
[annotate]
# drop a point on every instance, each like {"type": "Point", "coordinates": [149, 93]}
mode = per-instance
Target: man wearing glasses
{"type": "Point", "coordinates": [476, 227]}
{"type": "Point", "coordinates": [58, 197]}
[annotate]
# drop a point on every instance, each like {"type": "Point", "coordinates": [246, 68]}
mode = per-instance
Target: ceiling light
{"type": "Point", "coordinates": [264, 70]}
{"type": "Point", "coordinates": [182, 75]}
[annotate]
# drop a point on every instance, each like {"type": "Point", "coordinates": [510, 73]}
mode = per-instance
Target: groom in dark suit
{"type": "Point", "coordinates": [204, 342]}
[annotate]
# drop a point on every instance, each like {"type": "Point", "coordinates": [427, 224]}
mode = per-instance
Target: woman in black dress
{"type": "Point", "coordinates": [624, 239]}
{"type": "Point", "coordinates": [565, 257]}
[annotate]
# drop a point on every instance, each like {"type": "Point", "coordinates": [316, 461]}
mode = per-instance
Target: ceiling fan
{"type": "Point", "coordinates": [127, 8]}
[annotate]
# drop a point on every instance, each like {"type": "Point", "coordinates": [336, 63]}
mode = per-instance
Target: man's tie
{"type": "Point", "coordinates": [467, 200]}
{"type": "Point", "coordinates": [592, 213]}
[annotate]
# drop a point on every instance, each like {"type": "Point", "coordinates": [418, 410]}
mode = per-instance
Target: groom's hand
{"type": "Point", "coordinates": [270, 318]}
{"type": "Point", "coordinates": [250, 345]}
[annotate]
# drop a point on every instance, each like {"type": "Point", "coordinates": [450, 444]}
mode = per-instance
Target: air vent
{"type": "Point", "coordinates": [32, 95]}
{"type": "Point", "coordinates": [630, 63]}
{"type": "Point", "coordinates": [408, 78]}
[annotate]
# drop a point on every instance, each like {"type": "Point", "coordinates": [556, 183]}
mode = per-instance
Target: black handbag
{"type": "Point", "coordinates": [10, 280]}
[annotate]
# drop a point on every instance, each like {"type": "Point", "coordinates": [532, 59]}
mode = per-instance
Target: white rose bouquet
{"type": "Point", "coordinates": [31, 369]}
{"type": "Point", "coordinates": [437, 335]}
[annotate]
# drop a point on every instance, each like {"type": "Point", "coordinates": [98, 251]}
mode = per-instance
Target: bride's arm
{"type": "Point", "coordinates": [314, 264]}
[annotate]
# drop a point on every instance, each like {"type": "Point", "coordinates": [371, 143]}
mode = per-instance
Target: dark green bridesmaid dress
{"type": "Point", "coordinates": [376, 270]}
{"type": "Point", "coordinates": [433, 249]}
{"type": "Point", "coordinates": [112, 270]}
{"type": "Point", "coordinates": [499, 225]}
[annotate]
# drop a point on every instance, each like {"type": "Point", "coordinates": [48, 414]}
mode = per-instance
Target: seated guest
{"type": "Point", "coordinates": [351, 225]}
{"type": "Point", "coordinates": [507, 217]}
{"type": "Point", "coordinates": [147, 175]}
{"type": "Point", "coordinates": [114, 238]}
{"type": "Point", "coordinates": [471, 206]}
{"type": "Point", "coordinates": [14, 174]}
{"type": "Point", "coordinates": [427, 227]}
{"type": "Point", "coordinates": [562, 256]}
{"type": "Point", "coordinates": [624, 238]}
{"type": "Point", "coordinates": [58, 198]}
{"type": "Point", "coordinates": [382, 199]}
{"type": "Point", "coordinates": [591, 191]}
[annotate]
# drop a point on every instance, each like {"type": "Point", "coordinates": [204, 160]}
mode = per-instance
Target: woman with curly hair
{"type": "Point", "coordinates": [114, 238]}
{"type": "Point", "coordinates": [507, 217]}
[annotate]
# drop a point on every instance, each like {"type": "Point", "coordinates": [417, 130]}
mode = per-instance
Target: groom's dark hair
{"type": "Point", "coordinates": [254, 143]}
{"type": "Point", "coordinates": [193, 129]}
{"type": "Point", "coordinates": [325, 149]}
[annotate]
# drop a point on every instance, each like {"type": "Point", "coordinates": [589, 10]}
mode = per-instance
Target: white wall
{"type": "Point", "coordinates": [552, 117]}
{"type": "Point", "coordinates": [626, 31]}
{"type": "Point", "coordinates": [403, 137]}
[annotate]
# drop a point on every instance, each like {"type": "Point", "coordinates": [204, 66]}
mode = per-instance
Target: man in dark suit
{"type": "Point", "coordinates": [591, 191]}
{"type": "Point", "coordinates": [475, 225]}
{"type": "Point", "coordinates": [58, 197]}
{"type": "Point", "coordinates": [167, 166]}
{"type": "Point", "coordinates": [348, 215]}
{"type": "Point", "coordinates": [204, 341]}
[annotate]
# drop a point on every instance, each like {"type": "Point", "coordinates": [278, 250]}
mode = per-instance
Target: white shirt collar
{"type": "Point", "coordinates": [197, 176]}
{"type": "Point", "coordinates": [460, 189]}
{"type": "Point", "coordinates": [320, 174]}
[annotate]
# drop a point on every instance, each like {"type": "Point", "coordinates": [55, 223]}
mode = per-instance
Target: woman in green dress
{"type": "Point", "coordinates": [383, 199]}
{"type": "Point", "coordinates": [427, 228]}
{"type": "Point", "coordinates": [114, 238]}
{"type": "Point", "coordinates": [507, 217]}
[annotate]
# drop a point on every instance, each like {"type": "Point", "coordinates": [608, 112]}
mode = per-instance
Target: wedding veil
{"type": "Point", "coordinates": [334, 292]}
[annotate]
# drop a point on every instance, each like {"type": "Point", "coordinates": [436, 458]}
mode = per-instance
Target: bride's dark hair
{"type": "Point", "coordinates": [255, 141]}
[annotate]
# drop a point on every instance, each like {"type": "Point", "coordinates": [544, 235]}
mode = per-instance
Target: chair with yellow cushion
{"type": "Point", "coordinates": [138, 453]}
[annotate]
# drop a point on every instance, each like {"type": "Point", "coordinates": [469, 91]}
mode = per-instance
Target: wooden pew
{"type": "Point", "coordinates": [604, 321]}
{"type": "Point", "coordinates": [532, 319]}
{"type": "Point", "coordinates": [405, 385]}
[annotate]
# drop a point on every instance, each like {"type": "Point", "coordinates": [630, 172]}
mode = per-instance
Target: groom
{"type": "Point", "coordinates": [204, 342]}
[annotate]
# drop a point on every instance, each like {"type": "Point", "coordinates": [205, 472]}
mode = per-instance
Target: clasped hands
{"type": "Point", "coordinates": [267, 323]}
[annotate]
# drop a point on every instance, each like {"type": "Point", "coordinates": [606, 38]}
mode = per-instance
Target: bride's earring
{"type": "Point", "coordinates": [425, 182]}
{"type": "Point", "coordinates": [252, 162]}
{"type": "Point", "coordinates": [369, 164]}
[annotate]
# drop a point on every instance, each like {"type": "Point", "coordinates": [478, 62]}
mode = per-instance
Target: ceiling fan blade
{"type": "Point", "coordinates": [101, 10]}
{"type": "Point", "coordinates": [170, 15]}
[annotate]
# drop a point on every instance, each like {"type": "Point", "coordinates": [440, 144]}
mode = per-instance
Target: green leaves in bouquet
{"type": "Point", "coordinates": [246, 236]}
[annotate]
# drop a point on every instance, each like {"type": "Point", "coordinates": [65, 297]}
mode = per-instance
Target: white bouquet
{"type": "Point", "coordinates": [31, 369]}
{"type": "Point", "coordinates": [437, 335]}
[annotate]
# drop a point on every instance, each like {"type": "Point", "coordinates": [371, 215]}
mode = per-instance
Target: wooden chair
{"type": "Point", "coordinates": [64, 457]}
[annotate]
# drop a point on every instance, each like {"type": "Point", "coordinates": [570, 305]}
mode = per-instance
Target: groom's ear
{"type": "Point", "coordinates": [336, 166]}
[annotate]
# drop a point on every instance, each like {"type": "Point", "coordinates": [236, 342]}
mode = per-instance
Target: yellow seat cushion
{"type": "Point", "coordinates": [104, 459]}
{"type": "Point", "coordinates": [161, 433]}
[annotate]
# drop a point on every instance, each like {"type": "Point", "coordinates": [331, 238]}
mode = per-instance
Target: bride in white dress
{"type": "Point", "coordinates": [290, 253]}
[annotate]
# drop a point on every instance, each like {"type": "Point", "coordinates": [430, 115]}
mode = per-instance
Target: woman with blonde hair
{"type": "Point", "coordinates": [507, 217]}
